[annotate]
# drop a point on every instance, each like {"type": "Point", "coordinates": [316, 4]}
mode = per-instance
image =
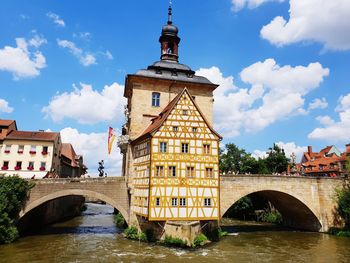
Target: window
{"type": "Point", "coordinates": [184, 112]}
{"type": "Point", "coordinates": [207, 201]}
{"type": "Point", "coordinates": [159, 170]}
{"type": "Point", "coordinates": [5, 165]}
{"type": "Point", "coordinates": [175, 128]}
{"type": "Point", "coordinates": [155, 99]}
{"type": "Point", "coordinates": [206, 148]}
{"type": "Point", "coordinates": [184, 148]}
{"type": "Point", "coordinates": [45, 150]}
{"type": "Point", "coordinates": [182, 201]}
{"type": "Point", "coordinates": [20, 149]}
{"type": "Point", "coordinates": [42, 166]}
{"type": "Point", "coordinates": [172, 171]}
{"type": "Point", "coordinates": [7, 148]}
{"type": "Point", "coordinates": [157, 201]}
{"type": "Point", "coordinates": [163, 146]}
{"type": "Point", "coordinates": [190, 171]}
{"type": "Point", "coordinates": [194, 129]}
{"type": "Point", "coordinates": [174, 201]}
{"type": "Point", "coordinates": [209, 172]}
{"type": "Point", "coordinates": [18, 166]}
{"type": "Point", "coordinates": [32, 149]}
{"type": "Point", "coordinates": [31, 166]}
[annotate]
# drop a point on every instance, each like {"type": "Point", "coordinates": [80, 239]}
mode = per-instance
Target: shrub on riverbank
{"type": "Point", "coordinates": [13, 193]}
{"type": "Point", "coordinates": [200, 240]}
{"type": "Point", "coordinates": [174, 241]}
{"type": "Point", "coordinates": [273, 217]}
{"type": "Point", "coordinates": [343, 202]}
{"type": "Point", "coordinates": [119, 220]}
{"type": "Point", "coordinates": [133, 233]}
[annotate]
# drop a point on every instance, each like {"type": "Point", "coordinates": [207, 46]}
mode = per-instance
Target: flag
{"type": "Point", "coordinates": [111, 138]}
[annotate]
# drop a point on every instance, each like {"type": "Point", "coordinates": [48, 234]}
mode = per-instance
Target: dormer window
{"type": "Point", "coordinates": [175, 128]}
{"type": "Point", "coordinates": [155, 99]}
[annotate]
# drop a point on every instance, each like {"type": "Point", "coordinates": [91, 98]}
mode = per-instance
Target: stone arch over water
{"type": "Point", "coordinates": [294, 211]}
{"type": "Point", "coordinates": [74, 192]}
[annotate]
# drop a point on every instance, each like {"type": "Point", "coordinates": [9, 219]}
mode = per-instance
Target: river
{"type": "Point", "coordinates": [93, 237]}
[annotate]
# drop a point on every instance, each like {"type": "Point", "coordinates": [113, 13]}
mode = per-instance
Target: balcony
{"type": "Point", "coordinates": [30, 168]}
{"type": "Point", "coordinates": [42, 168]}
{"type": "Point", "coordinates": [4, 168]}
{"type": "Point", "coordinates": [44, 152]}
{"type": "Point", "coordinates": [32, 152]}
{"type": "Point", "coordinates": [20, 151]}
{"type": "Point", "coordinates": [17, 168]}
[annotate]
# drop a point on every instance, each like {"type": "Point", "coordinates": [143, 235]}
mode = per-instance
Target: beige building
{"type": "Point", "coordinates": [31, 154]}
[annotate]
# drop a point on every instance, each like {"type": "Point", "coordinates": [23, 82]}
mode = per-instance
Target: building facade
{"type": "Point", "coordinates": [170, 150]}
{"type": "Point", "coordinates": [31, 154]}
{"type": "Point", "coordinates": [328, 162]}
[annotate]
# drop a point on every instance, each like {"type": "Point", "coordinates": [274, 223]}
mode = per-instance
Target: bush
{"type": "Point", "coordinates": [133, 233]}
{"type": "Point", "coordinates": [272, 217]}
{"type": "Point", "coordinates": [13, 193]}
{"type": "Point", "coordinates": [119, 220]}
{"type": "Point", "coordinates": [200, 240]}
{"type": "Point", "coordinates": [222, 233]}
{"type": "Point", "coordinates": [174, 241]}
{"type": "Point", "coordinates": [343, 208]}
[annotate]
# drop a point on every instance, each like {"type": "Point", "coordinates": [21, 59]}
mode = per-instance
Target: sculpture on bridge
{"type": "Point", "coordinates": [101, 168]}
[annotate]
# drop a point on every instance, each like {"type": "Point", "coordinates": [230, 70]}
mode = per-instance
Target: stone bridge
{"type": "Point", "coordinates": [304, 202]}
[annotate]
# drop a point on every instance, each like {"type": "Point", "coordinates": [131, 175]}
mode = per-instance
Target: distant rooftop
{"type": "Point", "coordinates": [32, 135]}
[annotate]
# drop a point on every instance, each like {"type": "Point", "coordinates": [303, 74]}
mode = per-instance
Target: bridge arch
{"type": "Point", "coordinates": [296, 212]}
{"type": "Point", "coordinates": [74, 192]}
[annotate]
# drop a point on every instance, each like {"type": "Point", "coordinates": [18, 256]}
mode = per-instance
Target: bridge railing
{"type": "Point", "coordinates": [79, 179]}
{"type": "Point", "coordinates": [231, 175]}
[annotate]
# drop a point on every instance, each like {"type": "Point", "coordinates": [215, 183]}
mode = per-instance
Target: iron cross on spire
{"type": "Point", "coordinates": [170, 13]}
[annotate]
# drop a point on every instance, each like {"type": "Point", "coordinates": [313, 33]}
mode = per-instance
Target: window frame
{"type": "Point", "coordinates": [182, 201]}
{"type": "Point", "coordinates": [163, 147]}
{"type": "Point", "coordinates": [185, 147]}
{"type": "Point", "coordinates": [174, 201]}
{"type": "Point", "coordinates": [159, 171]}
{"type": "Point", "coordinates": [190, 172]}
{"type": "Point", "coordinates": [206, 148]}
{"type": "Point", "coordinates": [157, 201]}
{"type": "Point", "coordinates": [207, 202]}
{"type": "Point", "coordinates": [155, 99]}
{"type": "Point", "coordinates": [172, 171]}
{"type": "Point", "coordinates": [209, 174]}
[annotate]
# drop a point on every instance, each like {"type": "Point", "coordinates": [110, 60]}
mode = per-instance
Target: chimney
{"type": "Point", "coordinates": [347, 149]}
{"type": "Point", "coordinates": [309, 150]}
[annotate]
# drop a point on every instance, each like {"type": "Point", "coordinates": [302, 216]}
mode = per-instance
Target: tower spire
{"type": "Point", "coordinates": [170, 13]}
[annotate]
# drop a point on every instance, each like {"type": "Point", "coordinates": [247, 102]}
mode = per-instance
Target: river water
{"type": "Point", "coordinates": [93, 237]}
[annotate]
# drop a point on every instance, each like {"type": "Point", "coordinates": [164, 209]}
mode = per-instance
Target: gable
{"type": "Point", "coordinates": [189, 120]}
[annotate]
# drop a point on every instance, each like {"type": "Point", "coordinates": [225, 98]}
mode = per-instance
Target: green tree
{"type": "Point", "coordinates": [13, 193]}
{"type": "Point", "coordinates": [343, 201]}
{"type": "Point", "coordinates": [230, 158]}
{"type": "Point", "coordinates": [276, 160]}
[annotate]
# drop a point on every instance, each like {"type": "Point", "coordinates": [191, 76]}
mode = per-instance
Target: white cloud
{"type": "Point", "coordinates": [108, 55]}
{"type": "Point", "coordinates": [326, 22]}
{"type": "Point", "coordinates": [288, 147]}
{"type": "Point", "coordinates": [83, 35]}
{"type": "Point", "coordinates": [276, 93]}
{"type": "Point", "coordinates": [56, 19]}
{"type": "Point", "coordinates": [88, 106]}
{"type": "Point", "coordinates": [335, 131]}
{"type": "Point", "coordinates": [238, 5]}
{"type": "Point", "coordinates": [25, 60]}
{"type": "Point", "coordinates": [93, 147]}
{"type": "Point", "coordinates": [318, 104]}
{"type": "Point", "coordinates": [85, 58]}
{"type": "Point", "coordinates": [4, 106]}
{"type": "Point", "coordinates": [291, 147]}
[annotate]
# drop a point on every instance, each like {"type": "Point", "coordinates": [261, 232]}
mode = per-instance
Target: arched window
{"type": "Point", "coordinates": [155, 99]}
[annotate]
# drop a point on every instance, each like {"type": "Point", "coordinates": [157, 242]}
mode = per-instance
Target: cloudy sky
{"type": "Point", "coordinates": [282, 65]}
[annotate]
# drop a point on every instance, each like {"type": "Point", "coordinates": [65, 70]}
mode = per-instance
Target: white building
{"type": "Point", "coordinates": [30, 154]}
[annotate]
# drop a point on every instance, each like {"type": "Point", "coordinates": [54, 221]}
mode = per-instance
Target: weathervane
{"type": "Point", "coordinates": [170, 13]}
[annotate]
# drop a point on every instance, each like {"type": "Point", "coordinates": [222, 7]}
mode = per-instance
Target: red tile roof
{"type": "Point", "coordinates": [6, 122]}
{"type": "Point", "coordinates": [32, 136]}
{"type": "Point", "coordinates": [68, 151]}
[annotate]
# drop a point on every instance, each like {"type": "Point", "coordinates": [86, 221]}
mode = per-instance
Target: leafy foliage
{"type": "Point", "coordinates": [273, 217]}
{"type": "Point", "coordinates": [343, 201]}
{"type": "Point", "coordinates": [242, 208]}
{"type": "Point", "coordinates": [236, 160]}
{"type": "Point", "coordinates": [133, 233]}
{"type": "Point", "coordinates": [200, 240]}
{"type": "Point", "coordinates": [174, 241]}
{"type": "Point", "coordinates": [119, 220]}
{"type": "Point", "coordinates": [13, 193]}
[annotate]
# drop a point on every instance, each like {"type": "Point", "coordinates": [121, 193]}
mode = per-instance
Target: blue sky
{"type": "Point", "coordinates": [282, 65]}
